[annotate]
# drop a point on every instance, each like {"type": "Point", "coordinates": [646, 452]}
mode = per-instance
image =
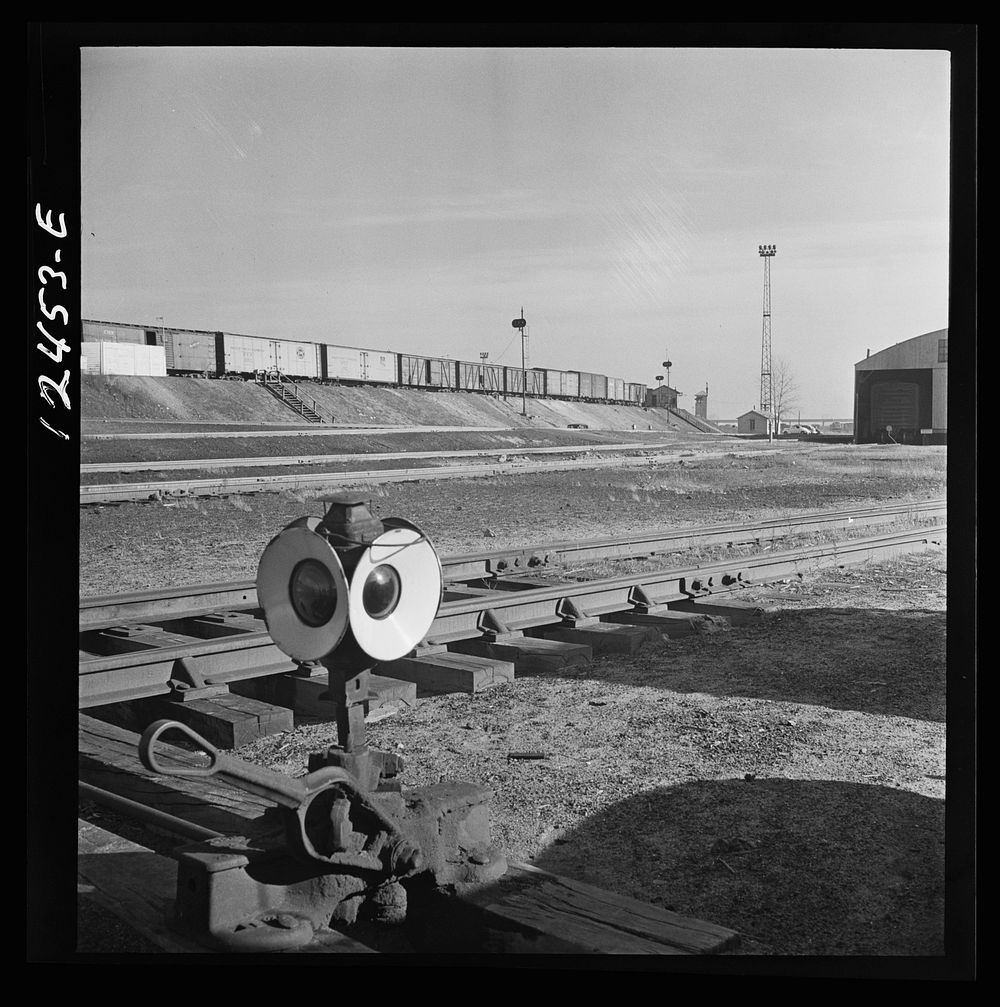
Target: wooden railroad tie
{"type": "Point", "coordinates": [527, 910]}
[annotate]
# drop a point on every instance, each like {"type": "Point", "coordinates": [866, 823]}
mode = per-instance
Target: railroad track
{"type": "Point", "coordinates": [276, 461]}
{"type": "Point", "coordinates": [136, 646]}
{"type": "Point", "coordinates": [99, 612]}
{"type": "Point", "coordinates": [490, 464]}
{"type": "Point", "coordinates": [518, 618]}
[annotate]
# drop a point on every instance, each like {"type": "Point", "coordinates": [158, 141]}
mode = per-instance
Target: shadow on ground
{"type": "Point", "coordinates": [874, 661]}
{"type": "Point", "coordinates": [797, 867]}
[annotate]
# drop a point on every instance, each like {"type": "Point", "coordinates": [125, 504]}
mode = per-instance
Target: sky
{"type": "Point", "coordinates": [415, 199]}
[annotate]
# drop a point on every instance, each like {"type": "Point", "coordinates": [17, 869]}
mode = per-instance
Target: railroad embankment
{"type": "Point", "coordinates": [195, 400]}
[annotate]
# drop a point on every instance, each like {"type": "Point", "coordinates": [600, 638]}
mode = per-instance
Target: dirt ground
{"type": "Point", "coordinates": [141, 546]}
{"type": "Point", "coordinates": [785, 778]}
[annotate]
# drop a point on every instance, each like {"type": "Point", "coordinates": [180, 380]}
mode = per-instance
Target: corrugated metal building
{"type": "Point", "coordinates": [901, 393]}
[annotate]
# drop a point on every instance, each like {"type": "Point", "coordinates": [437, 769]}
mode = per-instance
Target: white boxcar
{"type": "Point", "coordinates": [123, 358]}
{"type": "Point", "coordinates": [297, 360]}
{"type": "Point", "coordinates": [150, 361]}
{"type": "Point", "coordinates": [348, 363]}
{"type": "Point", "coordinates": [246, 354]}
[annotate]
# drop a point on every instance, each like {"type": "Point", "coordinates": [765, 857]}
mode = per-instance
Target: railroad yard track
{"type": "Point", "coordinates": [203, 655]}
{"type": "Point", "coordinates": [490, 463]}
{"type": "Point", "coordinates": [132, 645]}
{"type": "Point", "coordinates": [98, 612]}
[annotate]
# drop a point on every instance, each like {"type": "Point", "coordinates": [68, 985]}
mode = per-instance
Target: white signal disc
{"type": "Point", "coordinates": [283, 554]}
{"type": "Point", "coordinates": [411, 555]}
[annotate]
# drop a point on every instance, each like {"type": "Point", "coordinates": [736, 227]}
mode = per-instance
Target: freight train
{"type": "Point", "coordinates": [227, 355]}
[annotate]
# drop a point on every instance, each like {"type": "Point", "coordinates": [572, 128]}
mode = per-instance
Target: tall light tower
{"type": "Point", "coordinates": [766, 252]}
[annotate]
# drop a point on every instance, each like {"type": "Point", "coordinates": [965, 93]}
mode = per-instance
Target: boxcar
{"type": "Point", "coordinates": [297, 360]}
{"type": "Point", "coordinates": [636, 393]}
{"type": "Point", "coordinates": [616, 389]}
{"type": "Point", "coordinates": [248, 354]}
{"type": "Point", "coordinates": [348, 363]}
{"type": "Point", "coordinates": [441, 373]}
{"type": "Point", "coordinates": [412, 370]}
{"type": "Point", "coordinates": [123, 358]}
{"type": "Point", "coordinates": [562, 384]}
{"type": "Point", "coordinates": [480, 377]}
{"type": "Point", "coordinates": [593, 386]}
{"type": "Point", "coordinates": [513, 380]}
{"type": "Point", "coordinates": [191, 352]}
{"type": "Point", "coordinates": [426, 372]}
{"type": "Point", "coordinates": [111, 332]}
{"type": "Point", "coordinates": [245, 354]}
{"type": "Point", "coordinates": [515, 377]}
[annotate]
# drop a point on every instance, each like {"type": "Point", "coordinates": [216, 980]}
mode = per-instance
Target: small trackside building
{"type": "Point", "coordinates": [662, 397]}
{"type": "Point", "coordinates": [751, 422]}
{"type": "Point", "coordinates": [901, 393]}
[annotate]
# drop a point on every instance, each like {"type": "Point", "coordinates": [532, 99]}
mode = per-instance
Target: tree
{"type": "Point", "coordinates": [784, 391]}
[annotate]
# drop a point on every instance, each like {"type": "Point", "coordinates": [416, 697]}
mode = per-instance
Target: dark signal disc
{"type": "Point", "coordinates": [303, 590]}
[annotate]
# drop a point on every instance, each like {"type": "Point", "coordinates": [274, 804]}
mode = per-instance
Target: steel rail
{"type": "Point", "coordinates": [145, 814]}
{"type": "Point", "coordinates": [184, 602]}
{"type": "Point", "coordinates": [122, 492]}
{"type": "Point", "coordinates": [465, 614]}
{"type": "Point", "coordinates": [467, 617]}
{"type": "Point", "coordinates": [274, 461]}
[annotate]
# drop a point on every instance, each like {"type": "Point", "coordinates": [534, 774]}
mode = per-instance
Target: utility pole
{"type": "Point", "coordinates": [520, 323]}
{"type": "Point", "coordinates": [767, 252]}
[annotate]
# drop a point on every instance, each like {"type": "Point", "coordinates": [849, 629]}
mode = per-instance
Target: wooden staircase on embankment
{"type": "Point", "coordinates": [695, 421]}
{"type": "Point", "coordinates": [288, 392]}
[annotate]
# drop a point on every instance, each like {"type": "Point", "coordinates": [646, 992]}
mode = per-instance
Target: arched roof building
{"type": "Point", "coordinates": [901, 393]}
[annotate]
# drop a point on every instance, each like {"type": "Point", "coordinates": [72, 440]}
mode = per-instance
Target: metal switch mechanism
{"type": "Point", "coordinates": [317, 809]}
{"type": "Point", "coordinates": [341, 593]}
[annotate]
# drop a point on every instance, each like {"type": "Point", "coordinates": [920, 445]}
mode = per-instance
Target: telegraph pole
{"type": "Point", "coordinates": [520, 323]}
{"type": "Point", "coordinates": [766, 252]}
